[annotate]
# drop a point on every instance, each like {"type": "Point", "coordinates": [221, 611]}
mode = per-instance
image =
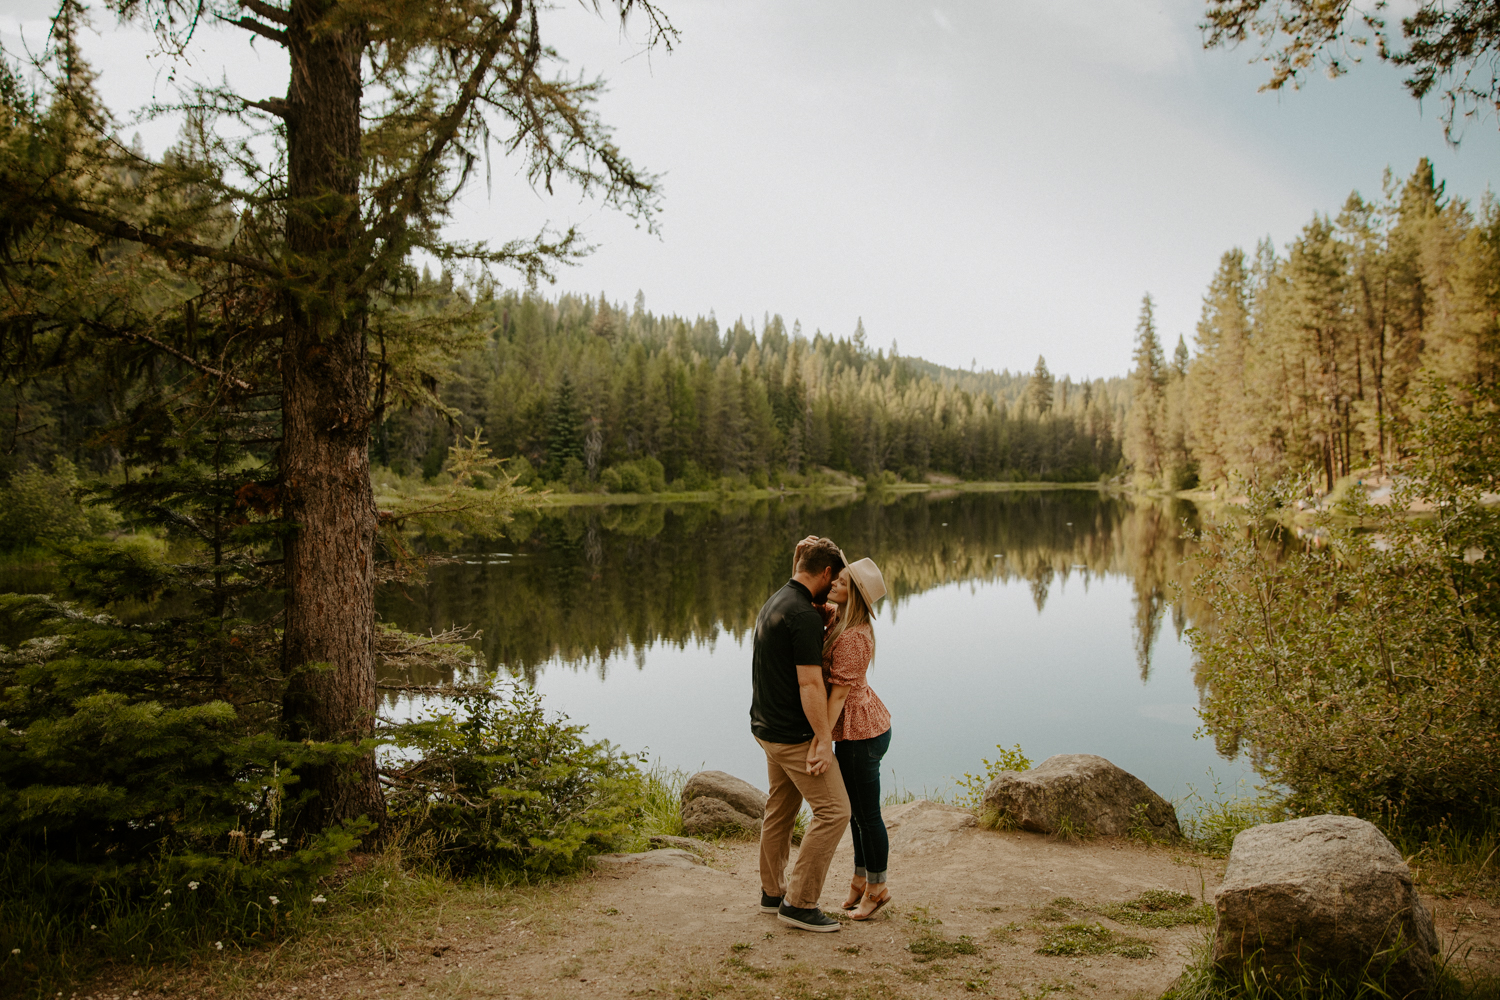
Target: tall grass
{"type": "Point", "coordinates": [1210, 822]}
{"type": "Point", "coordinates": [1202, 980]}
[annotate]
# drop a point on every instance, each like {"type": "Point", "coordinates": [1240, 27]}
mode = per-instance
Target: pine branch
{"type": "Point", "coordinates": [265, 31]}
{"type": "Point", "coordinates": [122, 230]}
{"type": "Point", "coordinates": [267, 11]}
{"type": "Point", "coordinates": [238, 383]}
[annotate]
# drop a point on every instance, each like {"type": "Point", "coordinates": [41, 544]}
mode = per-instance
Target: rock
{"type": "Point", "coordinates": [1091, 794]}
{"type": "Point", "coordinates": [742, 796]}
{"type": "Point", "coordinates": [710, 817]}
{"type": "Point", "coordinates": [681, 843]}
{"type": "Point", "coordinates": [1329, 892]}
{"type": "Point", "coordinates": [668, 857]}
{"type": "Point", "coordinates": [923, 825]}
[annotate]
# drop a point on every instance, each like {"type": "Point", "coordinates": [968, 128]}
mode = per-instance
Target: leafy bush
{"type": "Point", "coordinates": [972, 786]}
{"type": "Point", "coordinates": [1360, 673]}
{"type": "Point", "coordinates": [41, 508]}
{"type": "Point", "coordinates": [496, 785]}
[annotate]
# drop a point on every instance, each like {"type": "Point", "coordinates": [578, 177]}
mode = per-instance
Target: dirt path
{"type": "Point", "coordinates": [971, 907]}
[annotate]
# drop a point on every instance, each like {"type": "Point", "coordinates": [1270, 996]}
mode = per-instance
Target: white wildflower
{"type": "Point", "coordinates": [275, 901]}
{"type": "Point", "coordinates": [166, 892]}
{"type": "Point", "coordinates": [273, 846]}
{"type": "Point", "coordinates": [15, 951]}
{"type": "Point", "coordinates": [319, 899]}
{"type": "Point", "coordinates": [267, 834]}
{"type": "Point", "coordinates": [166, 906]}
{"type": "Point", "coordinates": [193, 885]}
{"type": "Point", "coordinates": [218, 946]}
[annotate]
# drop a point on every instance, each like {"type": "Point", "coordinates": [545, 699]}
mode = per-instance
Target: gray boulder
{"type": "Point", "coordinates": [1328, 893]}
{"type": "Point", "coordinates": [710, 817]}
{"type": "Point", "coordinates": [741, 796]}
{"type": "Point", "coordinates": [1084, 792]}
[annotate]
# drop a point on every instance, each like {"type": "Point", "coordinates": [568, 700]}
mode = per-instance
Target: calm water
{"type": "Point", "coordinates": [1039, 618]}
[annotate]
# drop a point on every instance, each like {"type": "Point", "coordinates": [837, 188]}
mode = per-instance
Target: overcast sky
{"type": "Point", "coordinates": [981, 181]}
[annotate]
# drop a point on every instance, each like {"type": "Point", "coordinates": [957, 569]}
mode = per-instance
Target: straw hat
{"type": "Point", "coordinates": [866, 576]}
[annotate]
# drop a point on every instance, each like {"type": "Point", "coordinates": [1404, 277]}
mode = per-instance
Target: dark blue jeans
{"type": "Point", "coordinates": [859, 761]}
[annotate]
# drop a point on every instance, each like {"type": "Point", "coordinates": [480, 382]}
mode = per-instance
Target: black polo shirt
{"type": "Point", "coordinates": [788, 633]}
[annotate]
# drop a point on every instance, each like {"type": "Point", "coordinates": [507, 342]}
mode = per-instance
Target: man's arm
{"type": "Point", "coordinates": [815, 707]}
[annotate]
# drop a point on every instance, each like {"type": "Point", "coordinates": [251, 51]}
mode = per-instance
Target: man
{"type": "Point", "coordinates": [789, 717]}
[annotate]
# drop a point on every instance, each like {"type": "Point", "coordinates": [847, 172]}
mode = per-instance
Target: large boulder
{"type": "Point", "coordinates": [716, 804]}
{"type": "Point", "coordinates": [1081, 793]}
{"type": "Point", "coordinates": [1328, 894]}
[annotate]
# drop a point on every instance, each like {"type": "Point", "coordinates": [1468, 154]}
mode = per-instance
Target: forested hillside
{"type": "Point", "coordinates": [1320, 358]}
{"type": "Point", "coordinates": [585, 391]}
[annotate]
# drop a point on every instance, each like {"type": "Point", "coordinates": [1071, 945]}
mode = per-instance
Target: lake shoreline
{"type": "Point", "coordinates": [740, 496]}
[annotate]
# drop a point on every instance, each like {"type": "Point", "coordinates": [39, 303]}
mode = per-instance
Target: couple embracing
{"type": "Point", "coordinates": [824, 732]}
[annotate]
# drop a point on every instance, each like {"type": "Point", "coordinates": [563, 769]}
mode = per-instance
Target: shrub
{"type": "Point", "coordinates": [972, 786]}
{"type": "Point", "coordinates": [1360, 673]}
{"type": "Point", "coordinates": [123, 778]}
{"type": "Point", "coordinates": [41, 508]}
{"type": "Point", "coordinates": [497, 786]}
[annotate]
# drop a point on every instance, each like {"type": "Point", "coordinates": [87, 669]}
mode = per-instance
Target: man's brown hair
{"type": "Point", "coordinates": [820, 555]}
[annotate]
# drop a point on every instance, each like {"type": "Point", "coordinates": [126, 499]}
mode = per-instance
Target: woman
{"type": "Point", "coordinates": [861, 728]}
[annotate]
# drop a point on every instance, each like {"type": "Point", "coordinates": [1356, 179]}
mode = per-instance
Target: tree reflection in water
{"type": "Point", "coordinates": [579, 586]}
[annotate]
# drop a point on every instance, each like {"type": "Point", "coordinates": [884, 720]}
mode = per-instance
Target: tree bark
{"type": "Point", "coordinates": [328, 644]}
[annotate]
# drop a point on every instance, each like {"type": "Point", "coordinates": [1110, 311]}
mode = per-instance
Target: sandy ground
{"type": "Point", "coordinates": [691, 931]}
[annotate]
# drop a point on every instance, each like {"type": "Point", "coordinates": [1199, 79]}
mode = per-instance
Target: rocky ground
{"type": "Point", "coordinates": [973, 911]}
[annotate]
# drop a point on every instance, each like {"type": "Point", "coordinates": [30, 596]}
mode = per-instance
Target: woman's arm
{"type": "Point", "coordinates": [836, 703]}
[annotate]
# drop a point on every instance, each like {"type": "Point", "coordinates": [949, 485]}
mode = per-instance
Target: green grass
{"type": "Point", "coordinates": [1092, 939]}
{"type": "Point", "coordinates": [1203, 981]}
{"type": "Point", "coordinates": [1211, 823]}
{"type": "Point", "coordinates": [1159, 908]}
{"type": "Point", "coordinates": [931, 946]}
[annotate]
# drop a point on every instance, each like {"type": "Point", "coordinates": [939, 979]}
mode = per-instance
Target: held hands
{"type": "Point", "coordinates": [819, 757]}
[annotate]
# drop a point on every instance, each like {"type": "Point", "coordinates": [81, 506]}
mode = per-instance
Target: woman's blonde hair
{"type": "Point", "coordinates": [854, 613]}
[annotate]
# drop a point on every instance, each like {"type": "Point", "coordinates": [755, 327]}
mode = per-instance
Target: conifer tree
{"type": "Point", "coordinates": [1039, 388]}
{"type": "Point", "coordinates": [383, 120]}
{"type": "Point", "coordinates": [1144, 430]}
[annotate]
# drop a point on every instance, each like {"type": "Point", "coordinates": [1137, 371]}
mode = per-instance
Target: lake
{"type": "Point", "coordinates": [1041, 617]}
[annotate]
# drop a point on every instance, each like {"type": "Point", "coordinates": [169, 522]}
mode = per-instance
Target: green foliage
{"type": "Point", "coordinates": [758, 407]}
{"type": "Point", "coordinates": [497, 786]}
{"type": "Point", "coordinates": [1159, 908]}
{"type": "Point", "coordinates": [971, 787]}
{"type": "Point", "coordinates": [1359, 672]}
{"type": "Point", "coordinates": [1202, 980]}
{"type": "Point", "coordinates": [1315, 359]}
{"type": "Point", "coordinates": [645, 475]}
{"type": "Point", "coordinates": [1092, 939]}
{"type": "Point", "coordinates": [931, 946]}
{"type": "Point", "coordinates": [44, 508]}
{"type": "Point", "coordinates": [1211, 824]}
{"type": "Point", "coordinates": [102, 571]}
{"type": "Point", "coordinates": [661, 802]}
{"type": "Point", "coordinates": [139, 805]}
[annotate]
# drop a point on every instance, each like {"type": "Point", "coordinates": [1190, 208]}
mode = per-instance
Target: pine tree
{"type": "Point", "coordinates": [1039, 388]}
{"type": "Point", "coordinates": [564, 428]}
{"type": "Point", "coordinates": [1144, 431]}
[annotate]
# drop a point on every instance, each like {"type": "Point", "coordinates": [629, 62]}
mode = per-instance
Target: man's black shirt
{"type": "Point", "coordinates": [788, 633]}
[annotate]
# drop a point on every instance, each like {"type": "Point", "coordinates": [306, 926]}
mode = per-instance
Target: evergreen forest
{"type": "Point", "coordinates": [1318, 359]}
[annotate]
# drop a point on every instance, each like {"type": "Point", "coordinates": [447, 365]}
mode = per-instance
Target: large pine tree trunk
{"type": "Point", "coordinates": [328, 646]}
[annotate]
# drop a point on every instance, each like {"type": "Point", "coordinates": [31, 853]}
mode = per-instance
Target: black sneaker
{"type": "Point", "coordinates": [806, 919]}
{"type": "Point", "coordinates": [769, 903]}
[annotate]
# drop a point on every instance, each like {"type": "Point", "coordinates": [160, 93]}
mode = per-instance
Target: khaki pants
{"type": "Point", "coordinates": [786, 765]}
